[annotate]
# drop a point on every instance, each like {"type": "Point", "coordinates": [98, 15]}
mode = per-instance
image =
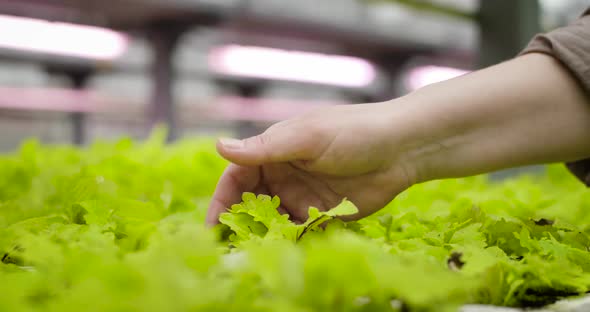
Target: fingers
{"type": "Point", "coordinates": [295, 193]}
{"type": "Point", "coordinates": [233, 182]}
{"type": "Point", "coordinates": [289, 141]}
{"type": "Point", "coordinates": [281, 143]}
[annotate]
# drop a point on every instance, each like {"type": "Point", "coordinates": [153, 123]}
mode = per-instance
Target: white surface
{"type": "Point", "coordinates": [566, 305]}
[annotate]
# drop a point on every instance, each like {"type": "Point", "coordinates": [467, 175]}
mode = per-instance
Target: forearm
{"type": "Point", "coordinates": [525, 111]}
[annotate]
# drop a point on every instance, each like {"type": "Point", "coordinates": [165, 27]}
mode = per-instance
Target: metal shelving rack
{"type": "Point", "coordinates": [164, 22]}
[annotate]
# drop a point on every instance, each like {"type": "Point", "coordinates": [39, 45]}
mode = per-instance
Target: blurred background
{"type": "Point", "coordinates": [72, 71]}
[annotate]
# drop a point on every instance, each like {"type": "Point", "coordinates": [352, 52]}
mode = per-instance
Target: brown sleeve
{"type": "Point", "coordinates": [571, 46]}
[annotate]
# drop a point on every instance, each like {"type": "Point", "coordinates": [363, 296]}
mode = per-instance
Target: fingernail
{"type": "Point", "coordinates": [231, 143]}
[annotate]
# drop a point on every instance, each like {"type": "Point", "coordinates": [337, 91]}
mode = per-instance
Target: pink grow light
{"type": "Point", "coordinates": [238, 108]}
{"type": "Point", "coordinates": [270, 63]}
{"type": "Point", "coordinates": [422, 76]}
{"type": "Point", "coordinates": [54, 99]}
{"type": "Point", "coordinates": [43, 36]}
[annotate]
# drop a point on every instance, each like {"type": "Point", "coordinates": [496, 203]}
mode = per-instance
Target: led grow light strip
{"type": "Point", "coordinates": [54, 99]}
{"type": "Point", "coordinates": [43, 36]}
{"type": "Point", "coordinates": [270, 63]}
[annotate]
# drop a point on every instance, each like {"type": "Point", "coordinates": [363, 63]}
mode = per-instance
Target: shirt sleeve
{"type": "Point", "coordinates": [571, 46]}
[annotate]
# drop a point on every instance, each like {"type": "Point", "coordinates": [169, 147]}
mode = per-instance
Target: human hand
{"type": "Point", "coordinates": [529, 110]}
{"type": "Point", "coordinates": [317, 160]}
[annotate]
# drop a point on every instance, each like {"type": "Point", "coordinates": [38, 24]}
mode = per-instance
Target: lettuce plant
{"type": "Point", "coordinates": [118, 226]}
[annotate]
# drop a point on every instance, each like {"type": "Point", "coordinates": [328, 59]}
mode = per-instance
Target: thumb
{"type": "Point", "coordinates": [279, 144]}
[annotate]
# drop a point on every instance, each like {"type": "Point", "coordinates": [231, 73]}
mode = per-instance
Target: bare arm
{"type": "Point", "coordinates": [526, 111]}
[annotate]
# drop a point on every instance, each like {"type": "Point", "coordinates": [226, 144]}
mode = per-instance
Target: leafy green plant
{"type": "Point", "coordinates": [118, 226]}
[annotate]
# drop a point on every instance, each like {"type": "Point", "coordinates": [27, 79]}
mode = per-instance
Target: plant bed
{"type": "Point", "coordinates": [118, 226]}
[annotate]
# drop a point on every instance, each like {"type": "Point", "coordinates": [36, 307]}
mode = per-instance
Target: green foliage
{"type": "Point", "coordinates": [118, 226]}
{"type": "Point", "coordinates": [258, 217]}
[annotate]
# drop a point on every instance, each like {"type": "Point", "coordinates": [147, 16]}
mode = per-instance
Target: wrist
{"type": "Point", "coordinates": [437, 135]}
{"type": "Point", "coordinates": [409, 138]}
{"type": "Point", "coordinates": [417, 138]}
